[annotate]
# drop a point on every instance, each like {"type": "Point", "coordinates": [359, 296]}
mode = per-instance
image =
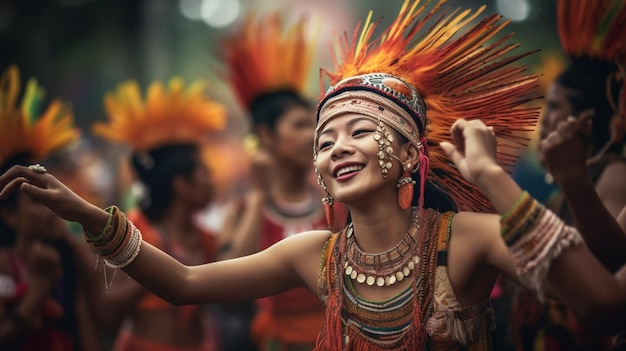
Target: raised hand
{"type": "Point", "coordinates": [46, 189]}
{"type": "Point", "coordinates": [564, 150]}
{"type": "Point", "coordinates": [474, 149]}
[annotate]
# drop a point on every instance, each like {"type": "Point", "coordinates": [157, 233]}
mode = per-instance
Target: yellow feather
{"type": "Point", "coordinates": [180, 114]}
{"type": "Point", "coordinates": [22, 130]}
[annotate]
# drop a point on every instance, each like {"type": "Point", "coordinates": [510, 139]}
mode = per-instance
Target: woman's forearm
{"type": "Point", "coordinates": [602, 233]}
{"type": "Point", "coordinates": [499, 188]}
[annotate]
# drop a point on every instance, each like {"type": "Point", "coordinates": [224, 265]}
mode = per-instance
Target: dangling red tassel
{"type": "Point", "coordinates": [405, 192]}
{"type": "Point", "coordinates": [329, 211]}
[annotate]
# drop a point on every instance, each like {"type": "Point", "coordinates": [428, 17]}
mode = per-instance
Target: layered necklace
{"type": "Point", "coordinates": [385, 268]}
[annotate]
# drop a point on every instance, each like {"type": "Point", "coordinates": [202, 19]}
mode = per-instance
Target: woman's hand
{"type": "Point", "coordinates": [46, 189]}
{"type": "Point", "coordinates": [473, 151]}
{"type": "Point", "coordinates": [564, 150]}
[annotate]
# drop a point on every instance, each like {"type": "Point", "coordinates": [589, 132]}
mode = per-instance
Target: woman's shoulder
{"type": "Point", "coordinates": [474, 223]}
{"type": "Point", "coordinates": [307, 240]}
{"type": "Point", "coordinates": [306, 246]}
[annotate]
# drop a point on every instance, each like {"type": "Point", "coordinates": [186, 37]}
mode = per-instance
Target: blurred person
{"type": "Point", "coordinates": [44, 303]}
{"type": "Point", "coordinates": [165, 133]}
{"type": "Point", "coordinates": [589, 85]}
{"type": "Point", "coordinates": [268, 65]}
{"type": "Point", "coordinates": [606, 236]}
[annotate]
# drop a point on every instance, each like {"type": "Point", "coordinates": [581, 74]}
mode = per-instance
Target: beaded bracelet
{"type": "Point", "coordinates": [535, 236]}
{"type": "Point", "coordinates": [129, 253]}
{"type": "Point", "coordinates": [120, 241]}
{"type": "Point", "coordinates": [89, 237]}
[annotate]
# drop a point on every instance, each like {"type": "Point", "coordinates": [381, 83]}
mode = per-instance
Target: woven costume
{"type": "Point", "coordinates": [426, 70]}
{"type": "Point", "coordinates": [29, 133]}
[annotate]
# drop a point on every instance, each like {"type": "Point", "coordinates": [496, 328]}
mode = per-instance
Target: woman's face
{"type": "Point", "coordinates": [347, 158]}
{"type": "Point", "coordinates": [557, 110]}
{"type": "Point", "coordinates": [199, 189]}
{"type": "Point", "coordinates": [293, 137]}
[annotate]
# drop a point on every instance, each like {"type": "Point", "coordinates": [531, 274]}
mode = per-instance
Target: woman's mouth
{"type": "Point", "coordinates": [347, 172]}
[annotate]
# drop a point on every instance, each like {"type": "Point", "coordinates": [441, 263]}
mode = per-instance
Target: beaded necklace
{"type": "Point", "coordinates": [385, 268]}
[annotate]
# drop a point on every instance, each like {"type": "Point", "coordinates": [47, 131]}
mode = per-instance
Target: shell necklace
{"type": "Point", "coordinates": [385, 268]}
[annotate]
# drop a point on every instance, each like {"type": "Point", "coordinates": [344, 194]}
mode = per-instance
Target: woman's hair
{"type": "Point", "coordinates": [157, 169]}
{"type": "Point", "coordinates": [590, 79]}
{"type": "Point", "coordinates": [268, 107]}
{"type": "Point", "coordinates": [8, 234]}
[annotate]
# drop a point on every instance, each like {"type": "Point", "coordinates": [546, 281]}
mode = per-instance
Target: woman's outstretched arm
{"type": "Point", "coordinates": [573, 274]}
{"type": "Point", "coordinates": [288, 264]}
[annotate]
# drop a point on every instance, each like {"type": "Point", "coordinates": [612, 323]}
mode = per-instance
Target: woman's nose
{"type": "Point", "coordinates": [342, 147]}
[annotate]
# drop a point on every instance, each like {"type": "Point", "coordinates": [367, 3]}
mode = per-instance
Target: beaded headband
{"type": "Point", "coordinates": [379, 96]}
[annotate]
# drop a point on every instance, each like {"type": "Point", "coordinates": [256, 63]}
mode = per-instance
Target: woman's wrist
{"type": "Point", "coordinates": [93, 218]}
{"type": "Point", "coordinates": [574, 181]}
{"type": "Point", "coordinates": [486, 178]}
{"type": "Point", "coordinates": [499, 187]}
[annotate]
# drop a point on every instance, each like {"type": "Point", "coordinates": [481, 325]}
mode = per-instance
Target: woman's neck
{"type": "Point", "coordinates": [379, 225]}
{"type": "Point", "coordinates": [177, 220]}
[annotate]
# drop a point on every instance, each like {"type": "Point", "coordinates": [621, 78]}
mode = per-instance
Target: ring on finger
{"type": "Point", "coordinates": [38, 168]}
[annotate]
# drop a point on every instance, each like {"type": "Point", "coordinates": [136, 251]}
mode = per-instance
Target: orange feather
{"type": "Point", "coordinates": [22, 130]}
{"type": "Point", "coordinates": [462, 70]}
{"type": "Point", "coordinates": [262, 56]}
{"type": "Point", "coordinates": [177, 115]}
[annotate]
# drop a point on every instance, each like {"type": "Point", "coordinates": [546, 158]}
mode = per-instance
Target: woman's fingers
{"type": "Point", "coordinates": [35, 192]}
{"type": "Point", "coordinates": [13, 185]}
{"type": "Point", "coordinates": [32, 176]}
{"type": "Point", "coordinates": [455, 155]}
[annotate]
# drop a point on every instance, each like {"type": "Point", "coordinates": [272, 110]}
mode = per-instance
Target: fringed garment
{"type": "Point", "coordinates": [425, 316]}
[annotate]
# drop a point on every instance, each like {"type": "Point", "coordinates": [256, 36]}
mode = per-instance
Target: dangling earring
{"type": "Point", "coordinates": [405, 187]}
{"type": "Point", "coordinates": [327, 200]}
{"type": "Point", "coordinates": [329, 209]}
{"type": "Point", "coordinates": [385, 151]}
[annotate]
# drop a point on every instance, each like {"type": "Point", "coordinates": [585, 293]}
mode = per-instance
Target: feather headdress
{"type": "Point", "coordinates": [458, 69]}
{"type": "Point", "coordinates": [23, 130]}
{"type": "Point", "coordinates": [595, 29]}
{"type": "Point", "coordinates": [177, 115]}
{"type": "Point", "coordinates": [261, 56]}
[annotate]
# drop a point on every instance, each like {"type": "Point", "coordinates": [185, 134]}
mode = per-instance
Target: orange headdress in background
{"type": "Point", "coordinates": [459, 70]}
{"type": "Point", "coordinates": [23, 130]}
{"type": "Point", "coordinates": [165, 117]}
{"type": "Point", "coordinates": [261, 56]}
{"type": "Point", "coordinates": [595, 29]}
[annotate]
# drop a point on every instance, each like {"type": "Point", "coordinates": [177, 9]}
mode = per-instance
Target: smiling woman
{"type": "Point", "coordinates": [397, 277]}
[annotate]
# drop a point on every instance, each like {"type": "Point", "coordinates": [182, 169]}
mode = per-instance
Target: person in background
{"type": "Point", "coordinates": [165, 133]}
{"type": "Point", "coordinates": [268, 66]}
{"type": "Point", "coordinates": [590, 34]}
{"type": "Point", "coordinates": [44, 304]}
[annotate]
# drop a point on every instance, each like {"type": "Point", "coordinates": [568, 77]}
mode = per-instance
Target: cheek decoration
{"type": "Point", "coordinates": [385, 151]}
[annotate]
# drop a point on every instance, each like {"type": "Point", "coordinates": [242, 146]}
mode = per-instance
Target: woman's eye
{"type": "Point", "coordinates": [361, 131]}
{"type": "Point", "coordinates": [325, 145]}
